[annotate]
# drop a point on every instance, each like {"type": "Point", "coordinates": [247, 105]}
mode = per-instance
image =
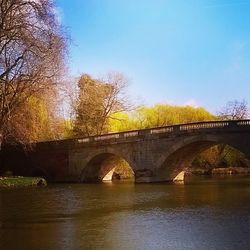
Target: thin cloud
{"type": "Point", "coordinates": [192, 102]}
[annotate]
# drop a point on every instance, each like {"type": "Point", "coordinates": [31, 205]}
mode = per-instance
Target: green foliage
{"type": "Point", "coordinates": [123, 169]}
{"type": "Point", "coordinates": [67, 128]}
{"type": "Point", "coordinates": [158, 115]}
{"type": "Point", "coordinates": [220, 156]}
{"type": "Point", "coordinates": [19, 182]}
{"type": "Point", "coordinates": [36, 120]}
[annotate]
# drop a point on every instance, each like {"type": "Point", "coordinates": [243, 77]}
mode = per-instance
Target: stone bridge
{"type": "Point", "coordinates": [155, 154]}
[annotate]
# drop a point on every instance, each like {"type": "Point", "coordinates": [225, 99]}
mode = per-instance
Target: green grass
{"type": "Point", "coordinates": [19, 181]}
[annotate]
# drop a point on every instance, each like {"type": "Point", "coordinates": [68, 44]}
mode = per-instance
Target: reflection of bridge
{"type": "Point", "coordinates": [155, 154]}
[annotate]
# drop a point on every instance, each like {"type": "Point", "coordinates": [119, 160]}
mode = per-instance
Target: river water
{"type": "Point", "coordinates": [205, 213]}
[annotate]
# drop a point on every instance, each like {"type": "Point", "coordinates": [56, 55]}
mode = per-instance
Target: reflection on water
{"type": "Point", "coordinates": [204, 213]}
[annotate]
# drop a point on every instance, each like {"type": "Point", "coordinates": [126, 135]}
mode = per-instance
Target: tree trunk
{"type": "Point", "coordinates": [1, 139]}
{"type": "Point", "coordinates": [1, 158]}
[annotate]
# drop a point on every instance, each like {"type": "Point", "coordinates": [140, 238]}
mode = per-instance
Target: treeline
{"type": "Point", "coordinates": [157, 116]}
{"type": "Point", "coordinates": [101, 106]}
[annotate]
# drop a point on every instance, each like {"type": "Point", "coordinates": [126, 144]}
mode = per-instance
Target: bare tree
{"type": "Point", "coordinates": [234, 110]}
{"type": "Point", "coordinates": [32, 52]}
{"type": "Point", "coordinates": [98, 100]}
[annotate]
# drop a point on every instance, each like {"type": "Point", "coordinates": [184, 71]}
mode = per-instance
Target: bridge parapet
{"type": "Point", "coordinates": [202, 125]}
{"type": "Point", "coordinates": [243, 123]}
{"type": "Point", "coordinates": [167, 130]}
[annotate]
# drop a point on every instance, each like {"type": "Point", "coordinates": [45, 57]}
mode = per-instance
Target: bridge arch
{"type": "Point", "coordinates": [100, 167]}
{"type": "Point", "coordinates": [182, 154]}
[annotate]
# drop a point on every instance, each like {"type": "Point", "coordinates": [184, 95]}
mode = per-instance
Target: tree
{"type": "Point", "coordinates": [32, 52]}
{"type": "Point", "coordinates": [234, 110]}
{"type": "Point", "coordinates": [159, 115]}
{"type": "Point", "coordinates": [98, 100]}
{"type": "Point", "coordinates": [223, 154]}
{"type": "Point", "coordinates": [36, 120]}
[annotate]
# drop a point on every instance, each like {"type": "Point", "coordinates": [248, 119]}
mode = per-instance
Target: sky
{"type": "Point", "coordinates": [183, 52]}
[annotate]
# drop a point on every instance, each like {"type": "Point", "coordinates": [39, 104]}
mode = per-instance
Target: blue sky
{"type": "Point", "coordinates": [173, 51]}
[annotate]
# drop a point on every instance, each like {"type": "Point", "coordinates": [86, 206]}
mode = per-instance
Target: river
{"type": "Point", "coordinates": [205, 213]}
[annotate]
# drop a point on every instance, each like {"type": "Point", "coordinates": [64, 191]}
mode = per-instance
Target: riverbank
{"type": "Point", "coordinates": [220, 171]}
{"type": "Point", "coordinates": [20, 181]}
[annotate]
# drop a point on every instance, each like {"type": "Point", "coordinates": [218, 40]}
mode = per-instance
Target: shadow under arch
{"type": "Point", "coordinates": [181, 157]}
{"type": "Point", "coordinates": [39, 172]}
{"type": "Point", "coordinates": [101, 167]}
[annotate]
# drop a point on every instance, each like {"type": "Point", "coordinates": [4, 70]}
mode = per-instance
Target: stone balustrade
{"type": "Point", "coordinates": [168, 130]}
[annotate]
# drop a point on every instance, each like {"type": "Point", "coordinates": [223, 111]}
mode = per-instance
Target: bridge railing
{"type": "Point", "coordinates": [203, 125]}
{"type": "Point", "coordinates": [243, 123]}
{"type": "Point", "coordinates": [167, 129]}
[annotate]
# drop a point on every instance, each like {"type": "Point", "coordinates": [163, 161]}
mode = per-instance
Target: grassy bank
{"type": "Point", "coordinates": [19, 181]}
{"type": "Point", "coordinates": [219, 171]}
